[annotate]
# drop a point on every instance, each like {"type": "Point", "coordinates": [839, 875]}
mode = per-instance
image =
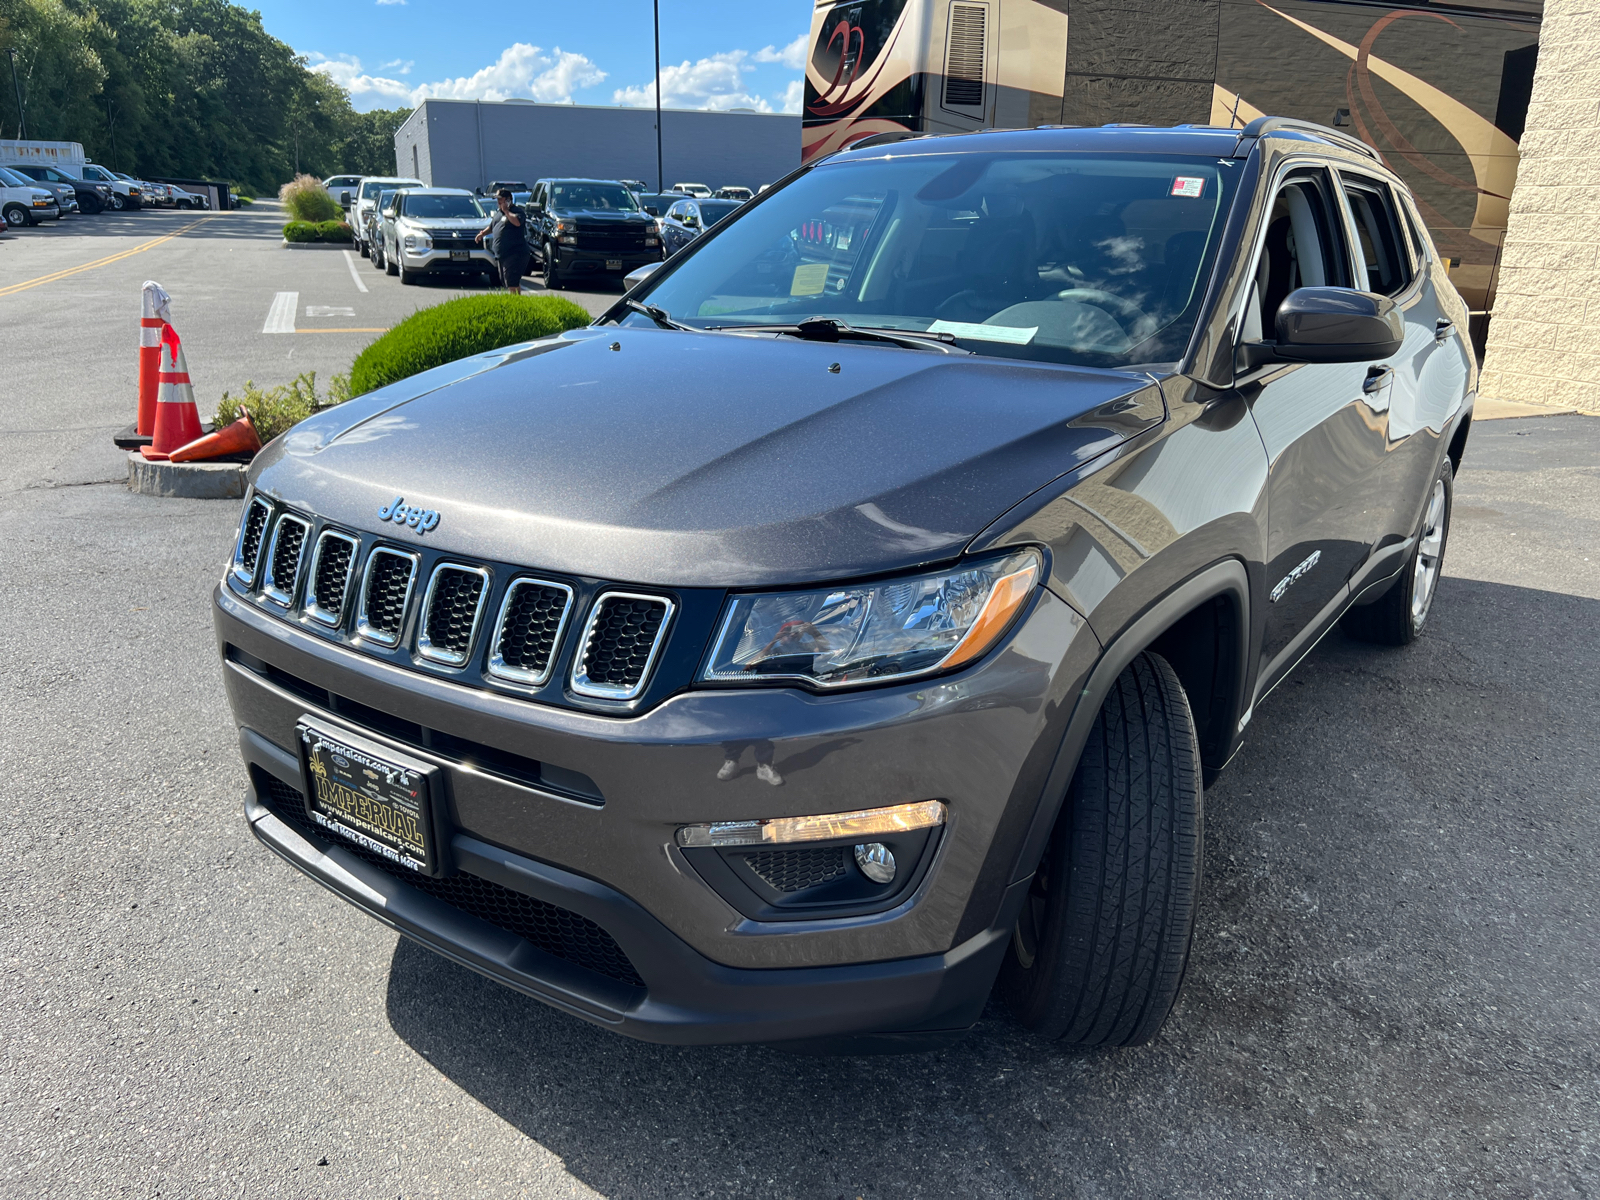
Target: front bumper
{"type": "Point", "coordinates": [426, 261]}
{"type": "Point", "coordinates": [575, 260]}
{"type": "Point", "coordinates": [983, 740]}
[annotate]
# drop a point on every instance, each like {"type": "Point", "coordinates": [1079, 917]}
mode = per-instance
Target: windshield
{"type": "Point", "coordinates": [436, 207]}
{"type": "Point", "coordinates": [714, 210]}
{"type": "Point", "coordinates": [373, 187]}
{"type": "Point", "coordinates": [601, 196]}
{"type": "Point", "coordinates": [13, 179]}
{"type": "Point", "coordinates": [1091, 259]}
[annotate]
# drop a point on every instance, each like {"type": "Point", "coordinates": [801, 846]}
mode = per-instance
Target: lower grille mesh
{"type": "Point", "coordinates": [553, 929]}
{"type": "Point", "coordinates": [621, 641]}
{"type": "Point", "coordinates": [796, 870]}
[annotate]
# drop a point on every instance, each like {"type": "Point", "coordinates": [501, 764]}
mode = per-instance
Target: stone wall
{"type": "Point", "coordinates": [1544, 338]}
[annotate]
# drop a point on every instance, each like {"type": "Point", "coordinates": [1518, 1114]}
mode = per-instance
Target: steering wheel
{"type": "Point", "coordinates": [1121, 307]}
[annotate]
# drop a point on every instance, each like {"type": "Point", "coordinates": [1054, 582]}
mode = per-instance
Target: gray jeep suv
{"type": "Point", "coordinates": [846, 623]}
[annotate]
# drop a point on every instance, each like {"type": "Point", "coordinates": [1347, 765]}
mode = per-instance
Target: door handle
{"type": "Point", "coordinates": [1377, 379]}
{"type": "Point", "coordinates": [1443, 328]}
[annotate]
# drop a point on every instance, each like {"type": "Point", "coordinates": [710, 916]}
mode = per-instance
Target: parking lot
{"type": "Point", "coordinates": [1393, 991]}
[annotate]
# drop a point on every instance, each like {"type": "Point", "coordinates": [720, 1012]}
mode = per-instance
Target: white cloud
{"type": "Point", "coordinates": [347, 73]}
{"type": "Point", "coordinates": [388, 2]}
{"type": "Point", "coordinates": [400, 65]}
{"type": "Point", "coordinates": [715, 83]}
{"type": "Point", "coordinates": [522, 70]}
{"type": "Point", "coordinates": [793, 96]}
{"type": "Point", "coordinates": [792, 56]}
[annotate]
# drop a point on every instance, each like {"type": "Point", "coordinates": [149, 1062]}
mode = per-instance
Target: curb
{"type": "Point", "coordinates": [287, 245]}
{"type": "Point", "coordinates": [188, 481]}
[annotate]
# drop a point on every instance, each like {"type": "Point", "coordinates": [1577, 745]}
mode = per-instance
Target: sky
{"type": "Point", "coordinates": [717, 54]}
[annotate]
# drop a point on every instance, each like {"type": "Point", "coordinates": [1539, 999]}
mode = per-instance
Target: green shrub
{"type": "Point", "coordinates": [299, 231]}
{"type": "Point", "coordinates": [305, 199]}
{"type": "Point", "coordinates": [334, 231]}
{"type": "Point", "coordinates": [431, 337]}
{"type": "Point", "coordinates": [273, 410]}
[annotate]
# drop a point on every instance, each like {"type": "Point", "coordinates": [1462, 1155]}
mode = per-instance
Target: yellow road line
{"type": "Point", "coordinates": [385, 329]}
{"type": "Point", "coordinates": [12, 289]}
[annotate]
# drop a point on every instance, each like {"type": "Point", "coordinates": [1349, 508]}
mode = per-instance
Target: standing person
{"type": "Point", "coordinates": [509, 241]}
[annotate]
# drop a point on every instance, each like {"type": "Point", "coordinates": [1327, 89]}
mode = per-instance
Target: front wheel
{"type": "Point", "coordinates": [118, 201]}
{"type": "Point", "coordinates": [409, 278]}
{"type": "Point", "coordinates": [91, 205]}
{"type": "Point", "coordinates": [1102, 943]}
{"type": "Point", "coordinates": [16, 216]}
{"type": "Point", "coordinates": [553, 278]}
{"type": "Point", "coordinates": [1397, 617]}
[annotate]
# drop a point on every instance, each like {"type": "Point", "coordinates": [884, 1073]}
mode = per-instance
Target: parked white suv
{"type": "Point", "coordinates": [363, 213]}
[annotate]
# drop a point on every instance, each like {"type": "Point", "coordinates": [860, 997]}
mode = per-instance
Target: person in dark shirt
{"type": "Point", "coordinates": [509, 240]}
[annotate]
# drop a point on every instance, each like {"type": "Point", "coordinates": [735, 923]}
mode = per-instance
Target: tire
{"type": "Point", "coordinates": [1398, 617]}
{"type": "Point", "coordinates": [91, 205]}
{"type": "Point", "coordinates": [1101, 946]}
{"type": "Point", "coordinates": [118, 201]}
{"type": "Point", "coordinates": [389, 266]}
{"type": "Point", "coordinates": [409, 278]}
{"type": "Point", "coordinates": [16, 216]}
{"type": "Point", "coordinates": [552, 269]}
{"type": "Point", "coordinates": [375, 254]}
{"type": "Point", "coordinates": [363, 250]}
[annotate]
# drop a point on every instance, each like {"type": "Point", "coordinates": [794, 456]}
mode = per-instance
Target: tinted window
{"type": "Point", "coordinates": [592, 196]}
{"type": "Point", "coordinates": [1094, 259]}
{"type": "Point", "coordinates": [714, 210]}
{"type": "Point", "coordinates": [440, 207]}
{"type": "Point", "coordinates": [1382, 249]}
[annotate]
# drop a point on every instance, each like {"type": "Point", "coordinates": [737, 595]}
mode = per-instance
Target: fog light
{"type": "Point", "coordinates": [875, 861]}
{"type": "Point", "coordinates": [900, 818]}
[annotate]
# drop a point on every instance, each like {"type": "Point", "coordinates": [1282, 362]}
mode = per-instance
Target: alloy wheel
{"type": "Point", "coordinates": [1430, 550]}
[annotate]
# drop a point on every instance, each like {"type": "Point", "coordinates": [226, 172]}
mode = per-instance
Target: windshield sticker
{"type": "Point", "coordinates": [809, 279]}
{"type": "Point", "coordinates": [1189, 186]}
{"type": "Point", "coordinates": [985, 333]}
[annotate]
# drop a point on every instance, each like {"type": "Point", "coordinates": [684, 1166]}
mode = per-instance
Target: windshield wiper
{"type": "Point", "coordinates": [826, 329]}
{"type": "Point", "coordinates": [659, 315]}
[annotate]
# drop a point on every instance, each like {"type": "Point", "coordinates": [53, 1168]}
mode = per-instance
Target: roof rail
{"type": "Point", "coordinates": [1261, 126]}
{"type": "Point", "coordinates": [884, 139]}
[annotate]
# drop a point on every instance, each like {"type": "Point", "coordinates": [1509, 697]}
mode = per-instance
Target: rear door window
{"type": "Point", "coordinates": [1382, 255]}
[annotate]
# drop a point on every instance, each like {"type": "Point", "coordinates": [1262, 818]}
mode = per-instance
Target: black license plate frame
{"type": "Point", "coordinates": [379, 797]}
{"type": "Point", "coordinates": [461, 256]}
{"type": "Point", "coordinates": [613, 264]}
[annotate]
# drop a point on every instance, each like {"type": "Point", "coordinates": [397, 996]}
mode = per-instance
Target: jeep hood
{"type": "Point", "coordinates": [705, 459]}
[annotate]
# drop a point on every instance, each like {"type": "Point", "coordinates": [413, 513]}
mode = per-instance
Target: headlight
{"type": "Point", "coordinates": [418, 241]}
{"type": "Point", "coordinates": [873, 632]}
{"type": "Point", "coordinates": [652, 241]}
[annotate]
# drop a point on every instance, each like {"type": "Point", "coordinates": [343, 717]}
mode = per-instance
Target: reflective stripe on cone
{"type": "Point", "coordinates": [177, 418]}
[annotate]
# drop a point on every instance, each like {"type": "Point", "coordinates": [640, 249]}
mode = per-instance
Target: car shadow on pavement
{"type": "Point", "coordinates": [1391, 991]}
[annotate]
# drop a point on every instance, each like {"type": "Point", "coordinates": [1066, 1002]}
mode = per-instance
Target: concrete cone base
{"type": "Point", "coordinates": [188, 481]}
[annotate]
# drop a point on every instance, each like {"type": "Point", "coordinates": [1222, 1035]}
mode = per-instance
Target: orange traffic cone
{"type": "Point", "coordinates": [239, 438]}
{"type": "Point", "coordinates": [152, 320]}
{"type": "Point", "coordinates": [177, 418]}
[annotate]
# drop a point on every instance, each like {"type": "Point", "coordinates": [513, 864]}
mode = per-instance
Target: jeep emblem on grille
{"type": "Point", "coordinates": [420, 519]}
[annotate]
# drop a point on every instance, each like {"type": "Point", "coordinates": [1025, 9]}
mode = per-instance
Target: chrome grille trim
{"type": "Point", "coordinates": [581, 683]}
{"type": "Point", "coordinates": [425, 645]}
{"type": "Point", "coordinates": [328, 609]}
{"type": "Point", "coordinates": [364, 627]}
{"type": "Point", "coordinates": [281, 592]}
{"type": "Point", "coordinates": [498, 667]}
{"type": "Point", "coordinates": [245, 572]}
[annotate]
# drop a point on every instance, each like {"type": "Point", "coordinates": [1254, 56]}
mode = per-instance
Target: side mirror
{"type": "Point", "coordinates": [639, 274]}
{"type": "Point", "coordinates": [652, 211]}
{"type": "Point", "coordinates": [1330, 325]}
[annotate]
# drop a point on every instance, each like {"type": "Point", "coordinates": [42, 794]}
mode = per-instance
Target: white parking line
{"type": "Point", "coordinates": [350, 262]}
{"type": "Point", "coordinates": [280, 317]}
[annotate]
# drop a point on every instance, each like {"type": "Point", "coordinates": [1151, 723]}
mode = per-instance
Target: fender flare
{"type": "Point", "coordinates": [1227, 579]}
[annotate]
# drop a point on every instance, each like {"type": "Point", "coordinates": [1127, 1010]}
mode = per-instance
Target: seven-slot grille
{"type": "Point", "coordinates": [331, 566]}
{"type": "Point", "coordinates": [620, 644]}
{"type": "Point", "coordinates": [528, 633]}
{"type": "Point", "coordinates": [247, 557]}
{"type": "Point", "coordinates": [618, 649]}
{"type": "Point", "coordinates": [284, 559]}
{"type": "Point", "coordinates": [384, 594]}
{"type": "Point", "coordinates": [450, 613]}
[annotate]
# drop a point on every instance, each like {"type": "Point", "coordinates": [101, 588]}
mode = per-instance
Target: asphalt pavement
{"type": "Point", "coordinates": [1394, 985]}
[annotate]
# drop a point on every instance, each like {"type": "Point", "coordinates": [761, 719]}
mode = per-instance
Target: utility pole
{"type": "Point", "coordinates": [22, 120]}
{"type": "Point", "coordinates": [661, 181]}
{"type": "Point", "coordinates": [112, 129]}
